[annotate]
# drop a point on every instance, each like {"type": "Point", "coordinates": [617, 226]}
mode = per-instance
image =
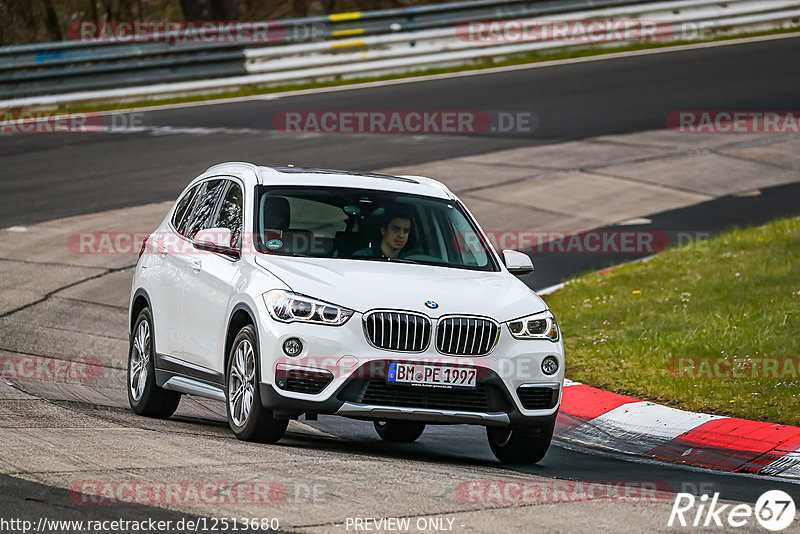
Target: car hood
{"type": "Point", "coordinates": [365, 285]}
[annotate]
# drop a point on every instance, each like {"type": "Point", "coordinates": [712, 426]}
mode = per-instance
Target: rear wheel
{"type": "Point", "coordinates": [144, 396]}
{"type": "Point", "coordinates": [247, 417]}
{"type": "Point", "coordinates": [399, 431]}
{"type": "Point", "coordinates": [520, 445]}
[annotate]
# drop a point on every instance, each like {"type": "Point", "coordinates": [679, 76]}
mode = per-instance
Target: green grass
{"type": "Point", "coordinates": [519, 59]}
{"type": "Point", "coordinates": [732, 301]}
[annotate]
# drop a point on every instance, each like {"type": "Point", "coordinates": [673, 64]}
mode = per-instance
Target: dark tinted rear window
{"type": "Point", "coordinates": [206, 207]}
{"type": "Point", "coordinates": [184, 209]}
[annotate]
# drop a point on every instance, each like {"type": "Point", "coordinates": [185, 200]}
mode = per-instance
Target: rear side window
{"type": "Point", "coordinates": [205, 208]}
{"type": "Point", "coordinates": [184, 209]}
{"type": "Point", "coordinates": [230, 212]}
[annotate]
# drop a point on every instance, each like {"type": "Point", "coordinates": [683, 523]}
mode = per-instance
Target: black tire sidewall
{"type": "Point", "coordinates": [524, 445]}
{"type": "Point", "coordinates": [260, 425]}
{"type": "Point", "coordinates": [248, 428]}
{"type": "Point", "coordinates": [141, 405]}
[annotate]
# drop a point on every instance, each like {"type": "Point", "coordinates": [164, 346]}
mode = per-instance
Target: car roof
{"type": "Point", "coordinates": [312, 176]}
{"type": "Point", "coordinates": [361, 180]}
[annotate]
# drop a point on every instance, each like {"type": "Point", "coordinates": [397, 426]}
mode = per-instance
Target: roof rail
{"type": "Point", "coordinates": [250, 166]}
{"type": "Point", "coordinates": [429, 181]}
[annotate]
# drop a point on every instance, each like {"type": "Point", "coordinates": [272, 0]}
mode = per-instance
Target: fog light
{"type": "Point", "coordinates": [550, 365]}
{"type": "Point", "coordinates": [292, 346]}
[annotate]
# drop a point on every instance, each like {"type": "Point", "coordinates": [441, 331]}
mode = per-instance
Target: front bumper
{"type": "Point", "coordinates": [339, 372]}
{"type": "Point", "coordinates": [367, 395]}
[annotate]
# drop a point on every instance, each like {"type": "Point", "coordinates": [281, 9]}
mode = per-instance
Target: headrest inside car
{"type": "Point", "coordinates": [275, 213]}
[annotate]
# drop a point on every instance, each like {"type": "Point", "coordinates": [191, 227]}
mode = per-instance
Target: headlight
{"type": "Point", "coordinates": [539, 326]}
{"type": "Point", "coordinates": [289, 307]}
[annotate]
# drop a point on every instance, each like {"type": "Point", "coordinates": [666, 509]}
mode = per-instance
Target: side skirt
{"type": "Point", "coordinates": [177, 375]}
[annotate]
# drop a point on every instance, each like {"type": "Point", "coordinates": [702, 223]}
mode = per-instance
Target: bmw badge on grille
{"type": "Point", "coordinates": [431, 304]}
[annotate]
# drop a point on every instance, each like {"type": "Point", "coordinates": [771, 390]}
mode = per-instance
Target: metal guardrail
{"type": "Point", "coordinates": [442, 44]}
{"type": "Point", "coordinates": [331, 26]}
{"type": "Point", "coordinates": [341, 46]}
{"type": "Point", "coordinates": [72, 66]}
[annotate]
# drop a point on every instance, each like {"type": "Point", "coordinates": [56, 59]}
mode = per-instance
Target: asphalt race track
{"type": "Point", "coordinates": [51, 176]}
{"type": "Point", "coordinates": [46, 177]}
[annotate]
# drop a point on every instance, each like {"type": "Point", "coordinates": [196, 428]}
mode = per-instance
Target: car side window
{"type": "Point", "coordinates": [184, 209]}
{"type": "Point", "coordinates": [230, 213]}
{"type": "Point", "coordinates": [206, 207]}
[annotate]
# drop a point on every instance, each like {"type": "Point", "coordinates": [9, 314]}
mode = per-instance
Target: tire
{"type": "Point", "coordinates": [521, 445]}
{"type": "Point", "coordinates": [399, 431]}
{"type": "Point", "coordinates": [247, 417]}
{"type": "Point", "coordinates": [144, 396]}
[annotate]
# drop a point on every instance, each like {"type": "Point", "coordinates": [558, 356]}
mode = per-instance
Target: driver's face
{"type": "Point", "coordinates": [395, 235]}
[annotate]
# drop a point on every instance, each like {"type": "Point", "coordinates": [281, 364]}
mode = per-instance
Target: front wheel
{"type": "Point", "coordinates": [399, 431]}
{"type": "Point", "coordinates": [144, 395]}
{"type": "Point", "coordinates": [247, 417]}
{"type": "Point", "coordinates": [521, 445]}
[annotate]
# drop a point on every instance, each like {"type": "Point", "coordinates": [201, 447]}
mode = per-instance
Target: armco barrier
{"type": "Point", "coordinates": [53, 68]}
{"type": "Point", "coordinates": [342, 46]}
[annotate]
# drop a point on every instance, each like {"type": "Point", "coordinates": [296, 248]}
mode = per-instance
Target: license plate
{"type": "Point", "coordinates": [432, 375]}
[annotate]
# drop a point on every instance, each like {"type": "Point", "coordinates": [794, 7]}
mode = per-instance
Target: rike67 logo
{"type": "Point", "coordinates": [774, 511]}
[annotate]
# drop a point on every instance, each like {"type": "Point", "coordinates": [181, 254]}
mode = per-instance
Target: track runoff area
{"type": "Point", "coordinates": [568, 480]}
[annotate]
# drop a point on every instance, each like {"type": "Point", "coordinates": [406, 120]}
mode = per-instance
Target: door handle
{"type": "Point", "coordinates": [196, 265]}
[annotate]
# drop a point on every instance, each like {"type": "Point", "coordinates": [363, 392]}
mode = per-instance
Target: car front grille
{"type": "Point", "coordinates": [466, 336]}
{"type": "Point", "coordinates": [398, 331]}
{"type": "Point", "coordinates": [382, 393]}
{"type": "Point", "coordinates": [538, 398]}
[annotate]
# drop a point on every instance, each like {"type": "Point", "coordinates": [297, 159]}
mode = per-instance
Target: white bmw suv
{"type": "Point", "coordinates": [294, 291]}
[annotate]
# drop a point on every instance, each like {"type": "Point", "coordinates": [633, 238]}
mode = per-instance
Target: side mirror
{"type": "Point", "coordinates": [216, 240]}
{"type": "Point", "coordinates": [517, 263]}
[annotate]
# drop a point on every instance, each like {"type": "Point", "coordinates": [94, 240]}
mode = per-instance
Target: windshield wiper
{"type": "Point", "coordinates": [290, 255]}
{"type": "Point", "coordinates": [403, 260]}
{"type": "Point", "coordinates": [375, 258]}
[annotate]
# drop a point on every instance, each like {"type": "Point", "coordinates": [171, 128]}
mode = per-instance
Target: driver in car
{"type": "Point", "coordinates": [394, 237]}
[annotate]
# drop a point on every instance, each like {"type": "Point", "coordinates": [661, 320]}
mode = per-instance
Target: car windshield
{"type": "Point", "coordinates": [367, 225]}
